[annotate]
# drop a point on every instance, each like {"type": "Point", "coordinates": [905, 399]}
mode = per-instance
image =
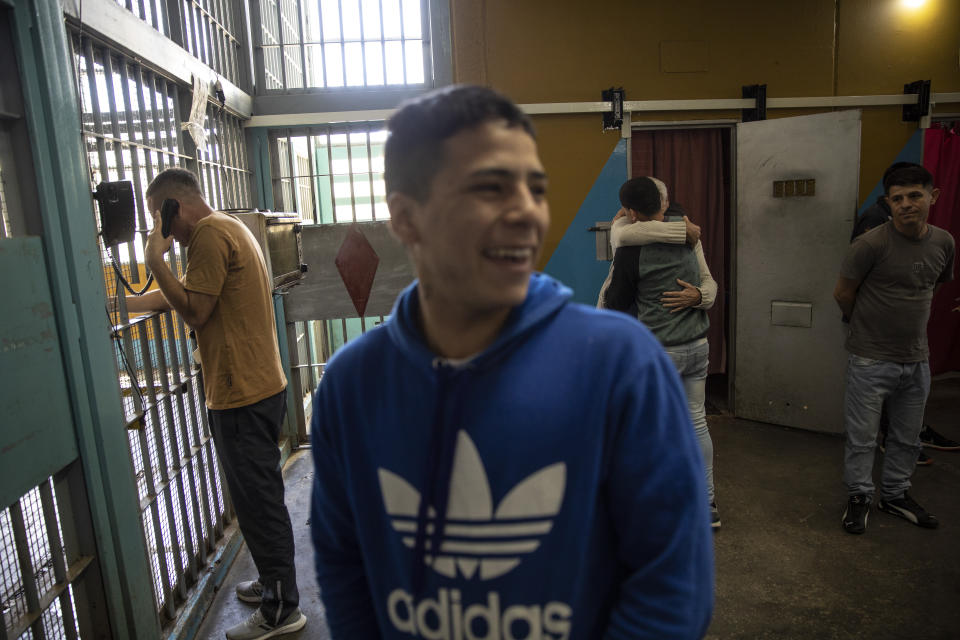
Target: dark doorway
{"type": "Point", "coordinates": [694, 163]}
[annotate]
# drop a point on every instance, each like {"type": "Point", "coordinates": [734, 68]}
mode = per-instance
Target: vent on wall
{"type": "Point", "coordinates": [792, 188]}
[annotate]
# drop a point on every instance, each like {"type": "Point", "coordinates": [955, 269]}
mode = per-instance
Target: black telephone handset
{"type": "Point", "coordinates": [168, 210]}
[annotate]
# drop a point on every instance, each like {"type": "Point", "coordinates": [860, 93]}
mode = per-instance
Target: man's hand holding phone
{"type": "Point", "coordinates": [157, 245]}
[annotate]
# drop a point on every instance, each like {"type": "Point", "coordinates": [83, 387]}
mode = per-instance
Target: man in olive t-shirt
{"type": "Point", "coordinates": [225, 296]}
{"type": "Point", "coordinates": [887, 282]}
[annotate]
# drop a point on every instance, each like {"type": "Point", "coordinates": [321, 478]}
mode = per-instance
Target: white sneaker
{"type": "Point", "coordinates": [256, 626]}
{"type": "Point", "coordinates": [250, 591]}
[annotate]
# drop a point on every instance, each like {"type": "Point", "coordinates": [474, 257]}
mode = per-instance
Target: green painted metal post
{"type": "Point", "coordinates": [77, 286]}
{"type": "Point", "coordinates": [290, 426]}
{"type": "Point", "coordinates": [258, 150]}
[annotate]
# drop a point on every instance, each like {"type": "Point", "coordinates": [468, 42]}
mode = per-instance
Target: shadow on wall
{"type": "Point", "coordinates": [574, 262]}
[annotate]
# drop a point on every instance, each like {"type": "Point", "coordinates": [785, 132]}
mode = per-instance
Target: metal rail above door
{"type": "Point", "coordinates": [630, 106]}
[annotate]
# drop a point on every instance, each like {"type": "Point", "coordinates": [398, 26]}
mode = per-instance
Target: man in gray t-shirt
{"type": "Point", "coordinates": [886, 284]}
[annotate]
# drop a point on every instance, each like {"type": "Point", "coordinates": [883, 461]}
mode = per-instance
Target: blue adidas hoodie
{"type": "Point", "coordinates": [564, 484]}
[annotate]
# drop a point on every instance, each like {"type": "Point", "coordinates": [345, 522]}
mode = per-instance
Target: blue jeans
{"type": "Point", "coordinates": [691, 359]}
{"type": "Point", "coordinates": [904, 387]}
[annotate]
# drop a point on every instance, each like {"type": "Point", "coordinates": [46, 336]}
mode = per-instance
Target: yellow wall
{"type": "Point", "coordinates": [569, 50]}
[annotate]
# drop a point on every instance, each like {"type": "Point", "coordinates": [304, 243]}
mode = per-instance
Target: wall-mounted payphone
{"type": "Point", "coordinates": [117, 209]}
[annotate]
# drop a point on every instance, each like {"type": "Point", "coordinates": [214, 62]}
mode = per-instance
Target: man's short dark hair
{"type": "Point", "coordinates": [174, 181]}
{"type": "Point", "coordinates": [907, 175]}
{"type": "Point", "coordinates": [414, 148]}
{"type": "Point", "coordinates": [895, 167]}
{"type": "Point", "coordinates": [641, 195]}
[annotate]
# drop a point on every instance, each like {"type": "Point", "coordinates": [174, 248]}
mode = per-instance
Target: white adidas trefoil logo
{"type": "Point", "coordinates": [476, 535]}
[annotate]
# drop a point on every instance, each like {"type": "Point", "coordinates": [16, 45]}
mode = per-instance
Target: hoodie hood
{"type": "Point", "coordinates": [545, 297]}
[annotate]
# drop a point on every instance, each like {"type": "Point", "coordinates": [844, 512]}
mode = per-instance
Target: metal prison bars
{"type": "Point", "coordinates": [314, 341]}
{"type": "Point", "coordinates": [4, 214]}
{"type": "Point", "coordinates": [208, 29]}
{"type": "Point", "coordinates": [328, 174]}
{"type": "Point", "coordinates": [43, 577]}
{"type": "Point", "coordinates": [343, 43]}
{"type": "Point", "coordinates": [131, 120]}
{"type": "Point", "coordinates": [331, 173]}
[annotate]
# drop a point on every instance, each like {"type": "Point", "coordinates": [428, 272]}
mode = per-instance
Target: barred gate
{"type": "Point", "coordinates": [329, 174]}
{"type": "Point", "coordinates": [42, 573]}
{"type": "Point", "coordinates": [51, 584]}
{"type": "Point", "coordinates": [131, 119]}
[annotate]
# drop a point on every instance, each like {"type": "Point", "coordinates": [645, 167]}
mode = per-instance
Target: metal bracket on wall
{"type": "Point", "coordinates": [604, 250]}
{"type": "Point", "coordinates": [915, 112]}
{"type": "Point", "coordinates": [756, 92]}
{"type": "Point", "coordinates": [613, 119]}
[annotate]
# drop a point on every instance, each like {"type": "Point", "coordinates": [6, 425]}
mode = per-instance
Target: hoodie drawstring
{"type": "Point", "coordinates": [436, 491]}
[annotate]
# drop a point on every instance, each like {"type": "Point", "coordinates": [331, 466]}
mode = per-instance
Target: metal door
{"type": "Point", "coordinates": [72, 560]}
{"type": "Point", "coordinates": [796, 198]}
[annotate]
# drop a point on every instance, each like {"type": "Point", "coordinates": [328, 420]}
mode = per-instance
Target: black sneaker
{"type": "Point", "coordinates": [908, 509]}
{"type": "Point", "coordinates": [855, 515]}
{"type": "Point", "coordinates": [932, 439]}
{"type": "Point", "coordinates": [714, 516]}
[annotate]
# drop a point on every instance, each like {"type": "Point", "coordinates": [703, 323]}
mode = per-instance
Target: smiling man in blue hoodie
{"type": "Point", "coordinates": [527, 469]}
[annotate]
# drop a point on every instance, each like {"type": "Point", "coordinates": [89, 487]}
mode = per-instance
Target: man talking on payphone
{"type": "Point", "coordinates": [225, 297]}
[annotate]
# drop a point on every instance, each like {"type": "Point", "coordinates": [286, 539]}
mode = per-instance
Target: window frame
{"type": "Point", "coordinates": [287, 180]}
{"type": "Point", "coordinates": [437, 57]}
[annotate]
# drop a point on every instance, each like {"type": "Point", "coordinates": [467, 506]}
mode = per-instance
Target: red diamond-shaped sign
{"type": "Point", "coordinates": [357, 263]}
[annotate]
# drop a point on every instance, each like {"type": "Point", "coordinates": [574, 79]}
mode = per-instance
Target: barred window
{"type": "Point", "coordinates": [212, 35]}
{"type": "Point", "coordinates": [345, 43]}
{"type": "Point", "coordinates": [208, 29]}
{"type": "Point", "coordinates": [131, 130]}
{"type": "Point", "coordinates": [223, 168]}
{"type": "Point", "coordinates": [150, 11]}
{"type": "Point", "coordinates": [332, 173]}
{"type": "Point", "coordinates": [37, 568]}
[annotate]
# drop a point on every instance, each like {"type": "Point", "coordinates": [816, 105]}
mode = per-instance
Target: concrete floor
{"type": "Point", "coordinates": [785, 568]}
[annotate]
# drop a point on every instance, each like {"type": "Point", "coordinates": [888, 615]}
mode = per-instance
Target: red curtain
{"type": "Point", "coordinates": [941, 156]}
{"type": "Point", "coordinates": [694, 164]}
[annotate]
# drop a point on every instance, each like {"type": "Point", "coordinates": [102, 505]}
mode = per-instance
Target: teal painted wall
{"type": "Point", "coordinates": [911, 152]}
{"type": "Point", "coordinates": [574, 262]}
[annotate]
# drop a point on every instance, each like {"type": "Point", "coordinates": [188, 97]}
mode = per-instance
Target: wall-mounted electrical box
{"type": "Point", "coordinates": [279, 237]}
